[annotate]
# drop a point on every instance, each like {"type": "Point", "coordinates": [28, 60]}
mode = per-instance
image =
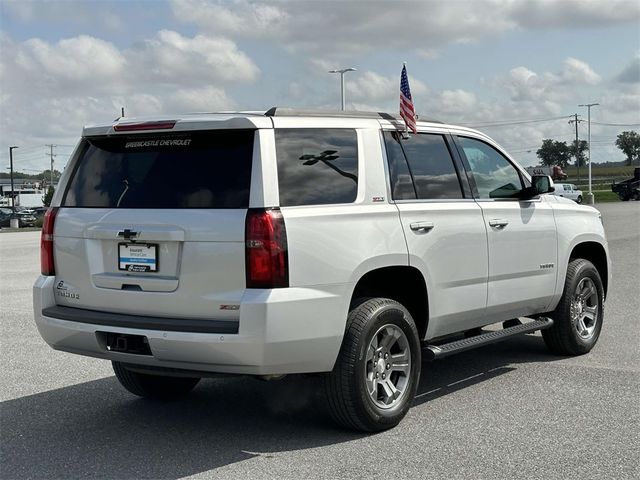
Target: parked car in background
{"type": "Point", "coordinates": [569, 191]}
{"type": "Point", "coordinates": [40, 211]}
{"type": "Point", "coordinates": [26, 218]}
{"type": "Point", "coordinates": [5, 217]}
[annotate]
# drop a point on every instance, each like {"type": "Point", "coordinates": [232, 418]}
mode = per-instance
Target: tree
{"type": "Point", "coordinates": [47, 175]}
{"type": "Point", "coordinates": [578, 149]}
{"type": "Point", "coordinates": [46, 200]}
{"type": "Point", "coordinates": [554, 153]}
{"type": "Point", "coordinates": [629, 143]}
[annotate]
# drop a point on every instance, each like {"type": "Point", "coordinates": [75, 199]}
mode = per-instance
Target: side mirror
{"type": "Point", "coordinates": [542, 184]}
{"type": "Point", "coordinates": [539, 184]}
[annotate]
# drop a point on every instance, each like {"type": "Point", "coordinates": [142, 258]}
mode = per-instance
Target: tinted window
{"type": "Point", "coordinates": [317, 166]}
{"type": "Point", "coordinates": [430, 165]}
{"type": "Point", "coordinates": [187, 170]}
{"type": "Point", "coordinates": [401, 181]}
{"type": "Point", "coordinates": [494, 175]}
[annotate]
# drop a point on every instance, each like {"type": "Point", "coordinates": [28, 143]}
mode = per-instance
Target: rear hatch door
{"type": "Point", "coordinates": [153, 224]}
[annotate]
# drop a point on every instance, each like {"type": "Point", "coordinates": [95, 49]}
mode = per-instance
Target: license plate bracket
{"type": "Point", "coordinates": [138, 257]}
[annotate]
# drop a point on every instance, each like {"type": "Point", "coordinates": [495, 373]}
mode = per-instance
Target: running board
{"type": "Point", "coordinates": [433, 352]}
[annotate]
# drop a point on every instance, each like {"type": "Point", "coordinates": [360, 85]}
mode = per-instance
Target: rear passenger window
{"type": "Point", "coordinates": [428, 164]}
{"type": "Point", "coordinates": [317, 166]}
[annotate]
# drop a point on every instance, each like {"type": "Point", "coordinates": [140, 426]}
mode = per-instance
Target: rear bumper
{"type": "Point", "coordinates": [195, 325]}
{"type": "Point", "coordinates": [292, 330]}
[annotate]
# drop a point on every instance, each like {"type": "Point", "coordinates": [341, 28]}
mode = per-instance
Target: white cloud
{"type": "Point", "coordinates": [92, 16]}
{"type": "Point", "coordinates": [138, 104]}
{"type": "Point", "coordinates": [206, 99]}
{"type": "Point", "coordinates": [456, 101]}
{"type": "Point", "coordinates": [86, 64]}
{"type": "Point", "coordinates": [578, 72]}
{"type": "Point", "coordinates": [174, 58]}
{"type": "Point", "coordinates": [548, 14]}
{"type": "Point", "coordinates": [548, 88]}
{"type": "Point", "coordinates": [57, 87]}
{"type": "Point", "coordinates": [340, 29]}
{"type": "Point", "coordinates": [240, 18]}
{"type": "Point", "coordinates": [74, 59]}
{"type": "Point", "coordinates": [370, 86]}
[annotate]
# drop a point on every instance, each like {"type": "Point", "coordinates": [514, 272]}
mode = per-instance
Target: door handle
{"type": "Point", "coordinates": [499, 223]}
{"type": "Point", "coordinates": [421, 226]}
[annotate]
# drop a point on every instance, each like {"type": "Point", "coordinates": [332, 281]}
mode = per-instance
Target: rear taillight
{"type": "Point", "coordinates": [47, 266]}
{"type": "Point", "coordinates": [267, 262]}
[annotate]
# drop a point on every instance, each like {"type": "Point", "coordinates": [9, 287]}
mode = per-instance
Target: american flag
{"type": "Point", "coordinates": [407, 112]}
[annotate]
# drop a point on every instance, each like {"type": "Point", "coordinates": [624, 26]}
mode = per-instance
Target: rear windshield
{"type": "Point", "coordinates": [186, 170]}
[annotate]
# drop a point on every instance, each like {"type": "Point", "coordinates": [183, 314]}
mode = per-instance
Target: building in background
{"type": "Point", "coordinates": [28, 192]}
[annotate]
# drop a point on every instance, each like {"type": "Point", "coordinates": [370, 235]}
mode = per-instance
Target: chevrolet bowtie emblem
{"type": "Point", "coordinates": [128, 234]}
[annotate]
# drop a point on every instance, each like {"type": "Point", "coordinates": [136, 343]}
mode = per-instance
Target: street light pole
{"type": "Point", "coordinates": [589, 105]}
{"type": "Point", "coordinates": [342, 71]}
{"type": "Point", "coordinates": [13, 198]}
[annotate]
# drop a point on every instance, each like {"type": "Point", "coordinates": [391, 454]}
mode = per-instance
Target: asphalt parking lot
{"type": "Point", "coordinates": [509, 410]}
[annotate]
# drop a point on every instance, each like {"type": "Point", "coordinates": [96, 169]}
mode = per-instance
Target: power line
{"type": "Point", "coordinates": [31, 148]}
{"type": "Point", "coordinates": [505, 123]}
{"type": "Point", "coordinates": [617, 124]}
{"type": "Point", "coordinates": [32, 155]}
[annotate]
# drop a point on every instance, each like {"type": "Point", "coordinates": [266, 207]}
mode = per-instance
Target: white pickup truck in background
{"type": "Point", "coordinates": [568, 190]}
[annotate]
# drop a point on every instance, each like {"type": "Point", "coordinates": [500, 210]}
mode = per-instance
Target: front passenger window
{"type": "Point", "coordinates": [494, 175]}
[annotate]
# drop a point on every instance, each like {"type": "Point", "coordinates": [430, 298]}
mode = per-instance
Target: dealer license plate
{"type": "Point", "coordinates": [138, 257]}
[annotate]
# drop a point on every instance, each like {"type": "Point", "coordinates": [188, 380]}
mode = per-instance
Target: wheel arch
{"type": "Point", "coordinates": [402, 283]}
{"type": "Point", "coordinates": [596, 254]}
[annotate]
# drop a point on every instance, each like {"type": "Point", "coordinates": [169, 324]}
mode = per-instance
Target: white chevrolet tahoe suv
{"type": "Point", "coordinates": [316, 242]}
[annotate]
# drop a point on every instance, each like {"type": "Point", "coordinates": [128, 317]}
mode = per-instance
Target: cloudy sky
{"type": "Point", "coordinates": [515, 69]}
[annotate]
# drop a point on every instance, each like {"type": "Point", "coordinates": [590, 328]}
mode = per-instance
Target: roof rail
{"type": "Point", "coordinates": [294, 112]}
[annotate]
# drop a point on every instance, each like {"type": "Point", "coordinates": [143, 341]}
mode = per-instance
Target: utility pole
{"type": "Point", "coordinates": [52, 157]}
{"type": "Point", "coordinates": [13, 198]}
{"type": "Point", "coordinates": [576, 121]}
{"type": "Point", "coordinates": [589, 105]}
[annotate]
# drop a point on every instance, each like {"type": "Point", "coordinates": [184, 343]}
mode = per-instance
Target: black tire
{"type": "Point", "coordinates": [625, 198]}
{"type": "Point", "coordinates": [563, 337]}
{"type": "Point", "coordinates": [579, 199]}
{"type": "Point", "coordinates": [158, 387]}
{"type": "Point", "coordinates": [350, 403]}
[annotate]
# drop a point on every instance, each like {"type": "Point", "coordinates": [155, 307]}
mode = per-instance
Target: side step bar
{"type": "Point", "coordinates": [433, 352]}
